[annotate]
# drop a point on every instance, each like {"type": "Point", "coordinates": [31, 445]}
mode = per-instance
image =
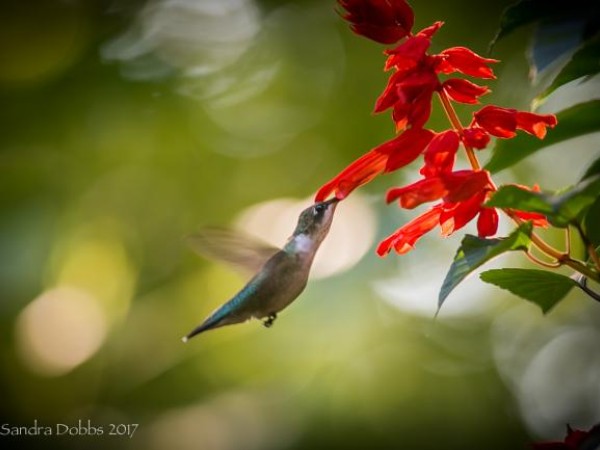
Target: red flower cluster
{"type": "Point", "coordinates": [409, 92]}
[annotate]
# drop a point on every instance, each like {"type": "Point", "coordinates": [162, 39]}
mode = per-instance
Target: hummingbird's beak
{"type": "Point", "coordinates": [332, 201]}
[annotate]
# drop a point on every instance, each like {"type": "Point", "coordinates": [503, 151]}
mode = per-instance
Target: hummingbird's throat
{"type": "Point", "coordinates": [303, 243]}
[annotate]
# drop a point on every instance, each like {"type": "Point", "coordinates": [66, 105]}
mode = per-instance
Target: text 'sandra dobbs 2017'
{"type": "Point", "coordinates": [81, 428]}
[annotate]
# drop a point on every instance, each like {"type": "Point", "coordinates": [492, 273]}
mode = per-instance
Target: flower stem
{"type": "Point", "coordinates": [455, 121]}
{"type": "Point", "coordinates": [589, 246]}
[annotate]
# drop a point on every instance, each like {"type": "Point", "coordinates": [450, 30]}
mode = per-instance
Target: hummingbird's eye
{"type": "Point", "coordinates": [319, 209]}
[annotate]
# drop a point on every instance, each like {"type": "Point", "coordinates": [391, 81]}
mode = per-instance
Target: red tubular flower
{"type": "Point", "coordinates": [361, 171]}
{"type": "Point", "coordinates": [403, 240]}
{"type": "Point", "coordinates": [422, 191]}
{"type": "Point", "coordinates": [453, 187]}
{"type": "Point", "coordinates": [475, 137]}
{"type": "Point", "coordinates": [463, 91]}
{"type": "Point", "coordinates": [535, 123]}
{"type": "Point", "coordinates": [409, 94]}
{"type": "Point", "coordinates": [411, 86]}
{"type": "Point", "coordinates": [487, 223]}
{"type": "Point", "coordinates": [390, 155]}
{"type": "Point", "coordinates": [440, 154]}
{"type": "Point", "coordinates": [463, 60]}
{"type": "Point", "coordinates": [503, 122]}
{"type": "Point", "coordinates": [383, 21]}
{"type": "Point", "coordinates": [405, 148]}
{"type": "Point", "coordinates": [536, 219]}
{"type": "Point", "coordinates": [410, 53]}
{"type": "Point", "coordinates": [454, 216]}
{"type": "Point", "coordinates": [416, 113]}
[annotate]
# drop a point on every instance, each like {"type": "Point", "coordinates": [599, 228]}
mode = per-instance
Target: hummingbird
{"type": "Point", "coordinates": [278, 281]}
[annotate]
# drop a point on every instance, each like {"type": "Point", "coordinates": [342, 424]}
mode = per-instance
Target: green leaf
{"type": "Point", "coordinates": [514, 197]}
{"type": "Point", "coordinates": [594, 169]}
{"type": "Point", "coordinates": [474, 252]}
{"type": "Point", "coordinates": [585, 62]}
{"type": "Point", "coordinates": [525, 12]}
{"type": "Point", "coordinates": [541, 287]}
{"type": "Point", "coordinates": [561, 208]}
{"type": "Point", "coordinates": [554, 42]}
{"type": "Point", "coordinates": [572, 122]}
{"type": "Point", "coordinates": [591, 223]}
{"type": "Point", "coordinates": [517, 15]}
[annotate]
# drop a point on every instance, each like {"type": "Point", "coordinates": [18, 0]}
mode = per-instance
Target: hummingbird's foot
{"type": "Point", "coordinates": [269, 320]}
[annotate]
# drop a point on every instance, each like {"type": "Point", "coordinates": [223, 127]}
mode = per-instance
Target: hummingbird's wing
{"type": "Point", "coordinates": [233, 247]}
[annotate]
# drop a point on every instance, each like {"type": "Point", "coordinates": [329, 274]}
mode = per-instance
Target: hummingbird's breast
{"type": "Point", "coordinates": [281, 281]}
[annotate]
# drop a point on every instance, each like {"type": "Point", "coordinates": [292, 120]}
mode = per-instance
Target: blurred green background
{"type": "Point", "coordinates": [126, 125]}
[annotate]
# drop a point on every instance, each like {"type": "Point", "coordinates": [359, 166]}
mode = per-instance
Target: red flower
{"type": "Point", "coordinates": [503, 122]}
{"type": "Point", "coordinates": [409, 93]}
{"type": "Point", "coordinates": [463, 91]}
{"type": "Point", "coordinates": [453, 187]}
{"type": "Point", "coordinates": [361, 171]}
{"type": "Point", "coordinates": [487, 223]}
{"type": "Point", "coordinates": [407, 147]}
{"type": "Point", "coordinates": [410, 53]}
{"type": "Point", "coordinates": [450, 216]}
{"type": "Point", "coordinates": [388, 156]}
{"type": "Point", "coordinates": [383, 21]}
{"type": "Point", "coordinates": [456, 215]}
{"type": "Point", "coordinates": [411, 86]}
{"type": "Point", "coordinates": [440, 154]}
{"type": "Point", "coordinates": [535, 123]}
{"type": "Point", "coordinates": [403, 240]}
{"type": "Point", "coordinates": [463, 60]}
{"type": "Point", "coordinates": [475, 137]}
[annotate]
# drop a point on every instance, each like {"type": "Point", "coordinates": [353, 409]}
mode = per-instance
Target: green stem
{"type": "Point", "coordinates": [455, 121]}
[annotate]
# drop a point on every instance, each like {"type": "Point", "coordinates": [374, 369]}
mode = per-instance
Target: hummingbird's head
{"type": "Point", "coordinates": [314, 221]}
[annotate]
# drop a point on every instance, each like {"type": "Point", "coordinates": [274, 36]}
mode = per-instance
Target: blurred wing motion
{"type": "Point", "coordinates": [233, 247]}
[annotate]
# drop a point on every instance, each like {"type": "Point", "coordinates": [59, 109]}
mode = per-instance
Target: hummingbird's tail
{"type": "Point", "coordinates": [204, 326]}
{"type": "Point", "coordinates": [217, 319]}
{"type": "Point", "coordinates": [193, 333]}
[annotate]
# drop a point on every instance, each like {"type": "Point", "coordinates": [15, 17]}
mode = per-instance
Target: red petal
{"type": "Point", "coordinates": [405, 148]}
{"type": "Point", "coordinates": [361, 171]}
{"type": "Point", "coordinates": [537, 219]}
{"type": "Point", "coordinates": [400, 116]}
{"type": "Point", "coordinates": [404, 239]}
{"type": "Point", "coordinates": [463, 184]}
{"type": "Point", "coordinates": [421, 110]}
{"type": "Point", "coordinates": [487, 223]}
{"type": "Point", "coordinates": [499, 122]}
{"type": "Point", "coordinates": [463, 91]}
{"type": "Point", "coordinates": [384, 21]}
{"type": "Point", "coordinates": [408, 54]}
{"type": "Point", "coordinates": [457, 215]}
{"type": "Point", "coordinates": [440, 154]}
{"type": "Point", "coordinates": [463, 60]}
{"type": "Point", "coordinates": [455, 187]}
{"type": "Point", "coordinates": [430, 30]}
{"type": "Point", "coordinates": [414, 194]}
{"type": "Point", "coordinates": [410, 96]}
{"type": "Point", "coordinates": [475, 137]}
{"type": "Point", "coordinates": [535, 123]}
{"type": "Point", "coordinates": [389, 96]}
